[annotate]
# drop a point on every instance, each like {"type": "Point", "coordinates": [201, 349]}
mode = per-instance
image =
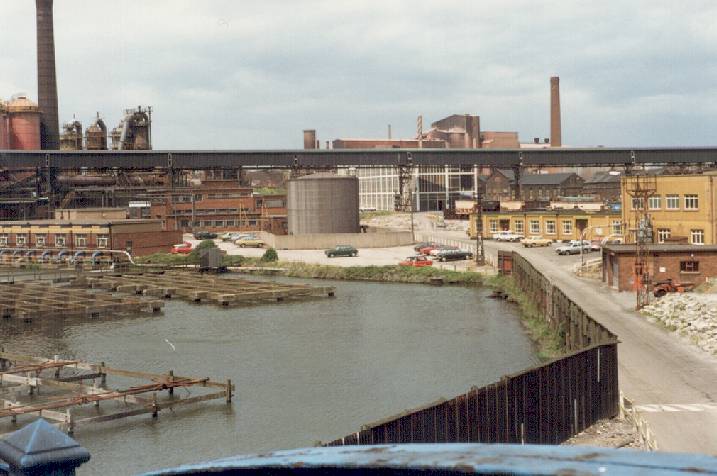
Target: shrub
{"type": "Point", "coordinates": [270, 256]}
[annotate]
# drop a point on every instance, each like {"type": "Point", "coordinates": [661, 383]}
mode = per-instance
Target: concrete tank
{"type": "Point", "coordinates": [323, 203]}
{"type": "Point", "coordinates": [24, 124]}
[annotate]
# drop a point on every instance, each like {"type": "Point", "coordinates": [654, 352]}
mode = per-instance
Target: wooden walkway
{"type": "Point", "coordinates": [29, 300]}
{"type": "Point", "coordinates": [71, 385]}
{"type": "Point", "coordinates": [195, 287]}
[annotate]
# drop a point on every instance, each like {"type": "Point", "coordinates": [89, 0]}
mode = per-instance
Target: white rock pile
{"type": "Point", "coordinates": [691, 315]}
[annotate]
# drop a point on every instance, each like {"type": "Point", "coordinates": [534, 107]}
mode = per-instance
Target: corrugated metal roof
{"type": "Point", "coordinates": [603, 177]}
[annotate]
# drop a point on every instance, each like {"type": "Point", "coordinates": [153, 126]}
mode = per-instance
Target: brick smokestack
{"type": "Point", "coordinates": [556, 139]}
{"type": "Point", "coordinates": [46, 77]}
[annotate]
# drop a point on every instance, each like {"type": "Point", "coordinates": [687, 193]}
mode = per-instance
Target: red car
{"type": "Point", "coordinates": [427, 249]}
{"type": "Point", "coordinates": [182, 248]}
{"type": "Point", "coordinates": [417, 261]}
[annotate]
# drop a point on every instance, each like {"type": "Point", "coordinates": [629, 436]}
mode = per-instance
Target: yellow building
{"type": "Point", "coordinates": [682, 208]}
{"type": "Point", "coordinates": [557, 225]}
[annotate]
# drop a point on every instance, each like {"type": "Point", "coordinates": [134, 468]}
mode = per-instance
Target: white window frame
{"type": "Point", "coordinates": [654, 202]}
{"type": "Point", "coordinates": [81, 241]}
{"type": "Point", "coordinates": [493, 225]}
{"type": "Point", "coordinates": [637, 203]}
{"type": "Point", "coordinates": [20, 239]}
{"type": "Point", "coordinates": [567, 227]}
{"type": "Point", "coordinates": [40, 240]}
{"type": "Point", "coordinates": [692, 201]}
{"type": "Point", "coordinates": [60, 241]}
{"type": "Point", "coordinates": [616, 227]}
{"type": "Point", "coordinates": [697, 237]}
{"type": "Point", "coordinates": [534, 227]}
{"type": "Point", "coordinates": [548, 225]}
{"type": "Point", "coordinates": [102, 241]}
{"type": "Point", "coordinates": [3, 240]}
{"type": "Point", "coordinates": [663, 234]}
{"type": "Point", "coordinates": [519, 226]}
{"type": "Point", "coordinates": [672, 202]}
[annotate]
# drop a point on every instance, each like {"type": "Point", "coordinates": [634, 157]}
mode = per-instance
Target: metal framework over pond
{"type": "Point", "coordinates": [69, 387]}
{"type": "Point", "coordinates": [330, 158]}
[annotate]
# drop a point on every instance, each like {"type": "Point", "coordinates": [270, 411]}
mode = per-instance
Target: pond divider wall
{"type": "Point", "coordinates": [545, 404]}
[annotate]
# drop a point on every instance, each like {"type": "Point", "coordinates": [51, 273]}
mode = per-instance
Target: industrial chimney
{"type": "Point", "coordinates": [555, 130]}
{"type": "Point", "coordinates": [46, 78]}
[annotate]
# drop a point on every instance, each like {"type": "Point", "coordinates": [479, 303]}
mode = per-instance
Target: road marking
{"type": "Point", "coordinates": [677, 407]}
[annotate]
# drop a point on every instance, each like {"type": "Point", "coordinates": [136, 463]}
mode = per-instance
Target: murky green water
{"type": "Point", "coordinates": [304, 371]}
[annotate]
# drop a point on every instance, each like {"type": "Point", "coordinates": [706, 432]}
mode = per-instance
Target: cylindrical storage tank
{"type": "Point", "coordinates": [323, 203]}
{"type": "Point", "coordinates": [24, 124]}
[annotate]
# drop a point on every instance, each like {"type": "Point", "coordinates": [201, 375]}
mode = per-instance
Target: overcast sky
{"type": "Point", "coordinates": [226, 74]}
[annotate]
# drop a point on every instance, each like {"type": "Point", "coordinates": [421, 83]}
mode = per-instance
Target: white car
{"type": "Point", "coordinates": [507, 236]}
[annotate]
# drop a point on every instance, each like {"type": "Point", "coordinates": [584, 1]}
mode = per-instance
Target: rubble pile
{"type": "Point", "coordinates": [691, 315]}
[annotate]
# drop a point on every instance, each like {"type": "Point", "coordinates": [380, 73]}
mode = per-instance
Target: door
{"type": "Point", "coordinates": [504, 225]}
{"type": "Point", "coordinates": [615, 273]}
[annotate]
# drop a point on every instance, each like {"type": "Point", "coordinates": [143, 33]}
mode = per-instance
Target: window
{"type": "Point", "coordinates": [534, 226]}
{"type": "Point", "coordinates": [663, 234]}
{"type": "Point", "coordinates": [219, 223]}
{"type": "Point", "coordinates": [519, 226]}
{"type": "Point", "coordinates": [673, 202]}
{"type": "Point", "coordinates": [616, 227]}
{"type": "Point", "coordinates": [691, 202]}
{"type": "Point", "coordinates": [493, 226]}
{"type": "Point", "coordinates": [3, 240]}
{"type": "Point", "coordinates": [20, 240]}
{"type": "Point", "coordinates": [550, 227]}
{"type": "Point", "coordinates": [567, 227]}
{"type": "Point", "coordinates": [690, 266]}
{"type": "Point", "coordinates": [698, 237]}
{"type": "Point", "coordinates": [231, 223]}
{"type": "Point", "coordinates": [81, 241]}
{"type": "Point", "coordinates": [637, 203]}
{"type": "Point", "coordinates": [40, 240]}
{"type": "Point", "coordinates": [59, 241]}
{"type": "Point", "coordinates": [653, 202]}
{"type": "Point", "coordinates": [102, 241]}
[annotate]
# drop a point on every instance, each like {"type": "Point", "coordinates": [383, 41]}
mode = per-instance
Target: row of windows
{"type": "Point", "coordinates": [672, 202]}
{"type": "Point", "coordinates": [217, 223]}
{"type": "Point", "coordinates": [60, 241]}
{"type": "Point", "coordinates": [550, 226]}
{"type": "Point", "coordinates": [697, 236]}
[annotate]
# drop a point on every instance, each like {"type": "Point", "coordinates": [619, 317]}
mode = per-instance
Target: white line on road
{"type": "Point", "coordinates": [677, 407]}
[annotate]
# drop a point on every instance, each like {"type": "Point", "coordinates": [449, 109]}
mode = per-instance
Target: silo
{"type": "Point", "coordinates": [24, 124]}
{"type": "Point", "coordinates": [323, 203]}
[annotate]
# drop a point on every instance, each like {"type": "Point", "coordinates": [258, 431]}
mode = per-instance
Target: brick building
{"type": "Point", "coordinates": [681, 263]}
{"type": "Point", "coordinates": [683, 208]}
{"type": "Point", "coordinates": [501, 185]}
{"type": "Point", "coordinates": [604, 186]}
{"type": "Point", "coordinates": [550, 186]}
{"type": "Point", "coordinates": [138, 237]}
{"type": "Point", "coordinates": [220, 206]}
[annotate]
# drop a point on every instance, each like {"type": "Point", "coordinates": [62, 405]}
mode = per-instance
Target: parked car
{"type": "Point", "coordinates": [204, 235]}
{"type": "Point", "coordinates": [423, 244]}
{"type": "Point", "coordinates": [507, 236]}
{"type": "Point", "coordinates": [453, 255]}
{"type": "Point", "coordinates": [181, 248]}
{"type": "Point", "coordinates": [417, 261]}
{"type": "Point", "coordinates": [232, 236]}
{"type": "Point", "coordinates": [440, 248]}
{"type": "Point", "coordinates": [249, 242]}
{"type": "Point", "coordinates": [573, 248]}
{"type": "Point", "coordinates": [533, 241]}
{"type": "Point", "coordinates": [427, 249]}
{"type": "Point", "coordinates": [341, 250]}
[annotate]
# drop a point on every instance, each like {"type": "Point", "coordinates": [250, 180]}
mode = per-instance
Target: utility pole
{"type": "Point", "coordinates": [478, 212]}
{"type": "Point", "coordinates": [640, 188]}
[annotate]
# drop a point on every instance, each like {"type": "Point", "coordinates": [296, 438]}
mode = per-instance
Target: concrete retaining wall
{"type": "Point", "coordinates": [320, 241]}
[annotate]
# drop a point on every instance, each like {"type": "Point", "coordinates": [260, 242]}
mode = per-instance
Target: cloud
{"type": "Point", "coordinates": [224, 74]}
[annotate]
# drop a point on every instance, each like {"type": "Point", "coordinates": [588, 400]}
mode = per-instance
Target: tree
{"type": "Point", "coordinates": [270, 256]}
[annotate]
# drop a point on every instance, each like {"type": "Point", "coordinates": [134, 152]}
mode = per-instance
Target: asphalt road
{"type": "Point", "coordinates": [672, 383]}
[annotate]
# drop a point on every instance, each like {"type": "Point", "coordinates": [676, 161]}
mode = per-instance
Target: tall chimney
{"type": "Point", "coordinates": [555, 129]}
{"type": "Point", "coordinates": [46, 78]}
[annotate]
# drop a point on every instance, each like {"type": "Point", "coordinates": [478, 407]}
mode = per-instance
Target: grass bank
{"type": "Point", "coordinates": [394, 274]}
{"type": "Point", "coordinates": [547, 340]}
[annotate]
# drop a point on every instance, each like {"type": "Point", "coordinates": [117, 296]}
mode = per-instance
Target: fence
{"type": "Point", "coordinates": [546, 404]}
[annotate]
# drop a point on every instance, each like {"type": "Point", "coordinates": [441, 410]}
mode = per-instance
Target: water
{"type": "Point", "coordinates": [304, 372]}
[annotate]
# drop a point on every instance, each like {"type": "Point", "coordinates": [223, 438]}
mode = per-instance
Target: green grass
{"type": "Point", "coordinates": [549, 341]}
{"type": "Point", "coordinates": [396, 274]}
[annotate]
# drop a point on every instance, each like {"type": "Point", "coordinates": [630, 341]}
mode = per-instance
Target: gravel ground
{"type": "Point", "coordinates": [614, 433]}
